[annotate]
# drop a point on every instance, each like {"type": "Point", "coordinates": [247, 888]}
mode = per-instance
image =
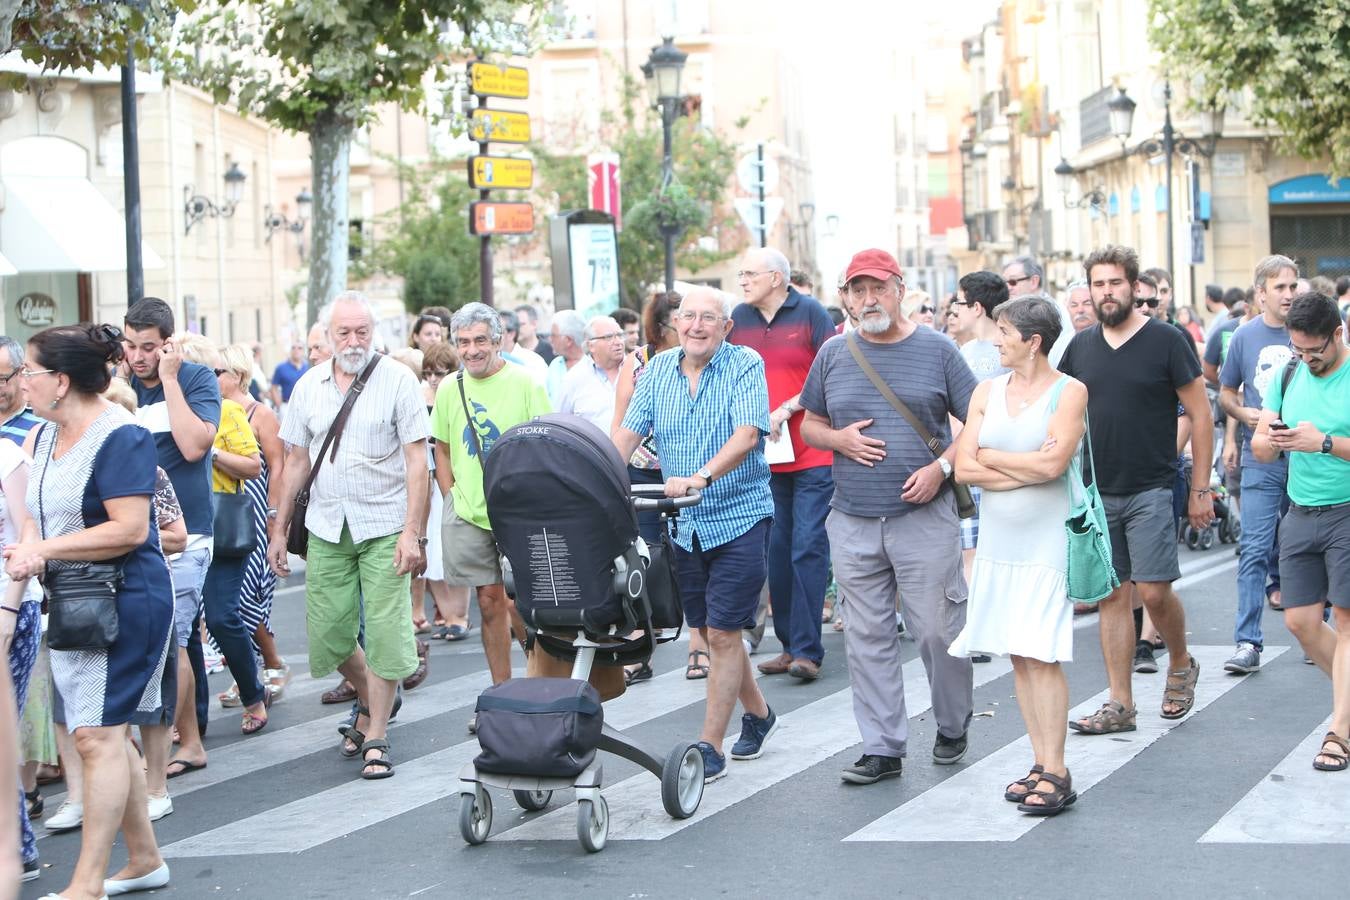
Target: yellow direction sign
{"type": "Point", "coordinates": [487, 172]}
{"type": "Point", "coordinates": [490, 80]}
{"type": "Point", "coordinates": [499, 125]}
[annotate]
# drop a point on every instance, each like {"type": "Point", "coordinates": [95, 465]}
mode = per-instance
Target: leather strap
{"type": "Point", "coordinates": [885, 390]}
{"type": "Point", "coordinates": [335, 433]}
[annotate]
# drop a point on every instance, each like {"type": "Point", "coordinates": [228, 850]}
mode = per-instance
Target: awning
{"type": "Point", "coordinates": [7, 267]}
{"type": "Point", "coordinates": [63, 224]}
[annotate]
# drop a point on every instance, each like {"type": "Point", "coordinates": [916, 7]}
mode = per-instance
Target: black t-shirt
{"type": "Point", "coordinates": [1132, 403]}
{"type": "Point", "coordinates": [545, 349]}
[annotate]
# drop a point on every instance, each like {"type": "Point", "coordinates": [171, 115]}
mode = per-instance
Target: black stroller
{"type": "Point", "coordinates": [563, 513]}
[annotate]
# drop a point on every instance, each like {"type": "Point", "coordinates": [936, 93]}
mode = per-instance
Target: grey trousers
{"type": "Point", "coordinates": [918, 554]}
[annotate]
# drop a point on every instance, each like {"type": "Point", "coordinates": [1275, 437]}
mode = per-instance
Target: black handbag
{"type": "Point", "coordinates": [234, 531]}
{"type": "Point", "coordinates": [81, 601]}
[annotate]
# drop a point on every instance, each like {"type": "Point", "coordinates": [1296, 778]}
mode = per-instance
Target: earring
{"type": "Point", "coordinates": [55, 403]}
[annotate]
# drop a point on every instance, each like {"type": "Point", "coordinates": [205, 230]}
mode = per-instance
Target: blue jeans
{"type": "Point", "coordinates": [220, 595]}
{"type": "Point", "coordinates": [1264, 501]}
{"type": "Point", "coordinates": [799, 559]}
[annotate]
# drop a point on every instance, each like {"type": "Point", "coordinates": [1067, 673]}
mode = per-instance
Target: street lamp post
{"type": "Point", "coordinates": [662, 72]}
{"type": "Point", "coordinates": [198, 206]}
{"type": "Point", "coordinates": [276, 221]}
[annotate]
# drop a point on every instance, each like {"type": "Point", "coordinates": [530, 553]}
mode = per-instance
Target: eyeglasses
{"type": "Point", "coordinates": [220, 372]}
{"type": "Point", "coordinates": [613, 336]}
{"type": "Point", "coordinates": [1014, 282]}
{"type": "Point", "coordinates": [746, 275]}
{"type": "Point", "coordinates": [31, 373]}
{"type": "Point", "coordinates": [966, 303]}
{"type": "Point", "coordinates": [1299, 351]}
{"type": "Point", "coordinates": [706, 318]}
{"type": "Point", "coordinates": [927, 309]}
{"type": "Point", "coordinates": [6, 379]}
{"type": "Point", "coordinates": [951, 312]}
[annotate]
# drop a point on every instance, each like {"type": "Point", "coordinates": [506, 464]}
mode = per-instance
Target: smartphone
{"type": "Point", "coordinates": [1277, 425]}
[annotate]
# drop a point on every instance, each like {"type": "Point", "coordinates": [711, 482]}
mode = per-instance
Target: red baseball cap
{"type": "Point", "coordinates": [877, 263]}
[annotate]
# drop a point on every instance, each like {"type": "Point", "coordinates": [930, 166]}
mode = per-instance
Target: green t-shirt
{"type": "Point", "coordinates": [500, 401]}
{"type": "Point", "coordinates": [1316, 479]}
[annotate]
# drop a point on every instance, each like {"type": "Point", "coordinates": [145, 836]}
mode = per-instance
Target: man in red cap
{"type": "Point", "coordinates": [893, 524]}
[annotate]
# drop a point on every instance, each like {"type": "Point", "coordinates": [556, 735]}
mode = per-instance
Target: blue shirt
{"type": "Point", "coordinates": [689, 430]}
{"type": "Point", "coordinates": [191, 480]}
{"type": "Point", "coordinates": [286, 375]}
{"type": "Point", "coordinates": [16, 427]}
{"type": "Point", "coordinates": [1256, 356]}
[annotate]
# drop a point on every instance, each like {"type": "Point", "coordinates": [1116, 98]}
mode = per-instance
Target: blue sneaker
{"type": "Point", "coordinates": [754, 732]}
{"type": "Point", "coordinates": [714, 763]}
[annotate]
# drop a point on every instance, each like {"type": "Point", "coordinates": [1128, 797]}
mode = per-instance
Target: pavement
{"type": "Point", "coordinates": [1222, 801]}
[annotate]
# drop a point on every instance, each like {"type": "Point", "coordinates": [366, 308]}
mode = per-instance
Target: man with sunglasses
{"type": "Point", "coordinates": [1308, 422]}
{"type": "Point", "coordinates": [1023, 275]}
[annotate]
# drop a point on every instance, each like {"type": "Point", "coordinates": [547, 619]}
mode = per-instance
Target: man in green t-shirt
{"type": "Point", "coordinates": [473, 409]}
{"type": "Point", "coordinates": [1309, 421]}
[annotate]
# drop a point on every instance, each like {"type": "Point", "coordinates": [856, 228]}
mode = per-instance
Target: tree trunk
{"type": "Point", "coordinates": [330, 142]}
{"type": "Point", "coordinates": [9, 11]}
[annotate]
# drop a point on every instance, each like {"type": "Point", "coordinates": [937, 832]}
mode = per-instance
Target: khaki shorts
{"type": "Point", "coordinates": [608, 680]}
{"type": "Point", "coordinates": [469, 552]}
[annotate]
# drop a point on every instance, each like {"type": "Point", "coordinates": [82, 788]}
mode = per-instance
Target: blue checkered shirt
{"type": "Point", "coordinates": [689, 431]}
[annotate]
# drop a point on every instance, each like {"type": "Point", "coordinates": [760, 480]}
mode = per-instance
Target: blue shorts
{"type": "Point", "coordinates": [720, 587]}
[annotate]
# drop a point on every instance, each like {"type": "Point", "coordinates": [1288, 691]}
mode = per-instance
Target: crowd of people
{"type": "Point", "coordinates": [833, 443]}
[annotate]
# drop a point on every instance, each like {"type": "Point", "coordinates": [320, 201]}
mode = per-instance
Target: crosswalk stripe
{"type": "Point", "coordinates": [805, 737]}
{"type": "Point", "coordinates": [969, 806]}
{"type": "Point", "coordinates": [1294, 804]}
{"type": "Point", "coordinates": [331, 814]}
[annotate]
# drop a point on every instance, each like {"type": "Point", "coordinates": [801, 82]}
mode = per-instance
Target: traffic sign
{"type": "Point", "coordinates": [491, 80]}
{"type": "Point", "coordinates": [755, 170]}
{"type": "Point", "coordinates": [490, 217]}
{"type": "Point", "coordinates": [499, 125]}
{"type": "Point", "coordinates": [749, 211]}
{"type": "Point", "coordinates": [493, 172]}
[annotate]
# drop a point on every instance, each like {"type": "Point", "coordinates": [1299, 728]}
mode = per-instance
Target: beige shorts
{"type": "Point", "coordinates": [469, 552]}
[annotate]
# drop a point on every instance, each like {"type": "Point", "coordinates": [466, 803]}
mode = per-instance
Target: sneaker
{"type": "Point", "coordinates": [213, 662]}
{"type": "Point", "coordinates": [870, 769]}
{"type": "Point", "coordinates": [949, 751]}
{"type": "Point", "coordinates": [981, 658]}
{"type": "Point", "coordinates": [754, 732]}
{"type": "Point", "coordinates": [31, 870]}
{"type": "Point", "coordinates": [69, 817]}
{"type": "Point", "coordinates": [1144, 663]}
{"type": "Point", "coordinates": [1308, 660]}
{"type": "Point", "coordinates": [1247, 659]}
{"type": "Point", "coordinates": [473, 724]}
{"type": "Point", "coordinates": [158, 807]}
{"type": "Point", "coordinates": [35, 804]}
{"type": "Point", "coordinates": [714, 763]}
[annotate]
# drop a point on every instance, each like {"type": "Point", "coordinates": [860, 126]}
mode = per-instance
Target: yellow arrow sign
{"type": "Point", "coordinates": [489, 80]}
{"type": "Point", "coordinates": [499, 125]}
{"type": "Point", "coordinates": [500, 172]}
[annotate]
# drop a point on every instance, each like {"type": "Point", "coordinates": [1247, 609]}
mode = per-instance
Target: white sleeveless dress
{"type": "Point", "coordinates": [1018, 596]}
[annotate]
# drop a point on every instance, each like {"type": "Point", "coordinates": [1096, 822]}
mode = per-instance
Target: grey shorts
{"type": "Point", "coordinates": [1315, 556]}
{"type": "Point", "coordinates": [1143, 535]}
{"type": "Point", "coordinates": [189, 577]}
{"type": "Point", "coordinates": [470, 553]}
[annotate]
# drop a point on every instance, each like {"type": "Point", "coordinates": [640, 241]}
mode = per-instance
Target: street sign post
{"type": "Point", "coordinates": [500, 172]}
{"type": "Point", "coordinates": [487, 172]}
{"type": "Point", "coordinates": [487, 217]}
{"type": "Point", "coordinates": [491, 80]}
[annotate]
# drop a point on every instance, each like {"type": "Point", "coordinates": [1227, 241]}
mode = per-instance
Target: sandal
{"type": "Point", "coordinates": [1113, 717]}
{"type": "Point", "coordinates": [458, 632]}
{"type": "Point", "coordinates": [1054, 801]}
{"type": "Point", "coordinates": [385, 766]}
{"type": "Point", "coordinates": [276, 679]}
{"type": "Point", "coordinates": [1180, 690]}
{"type": "Point", "coordinates": [641, 672]}
{"type": "Point", "coordinates": [252, 724]}
{"type": "Point", "coordinates": [353, 734]}
{"type": "Point", "coordinates": [696, 670]}
{"type": "Point", "coordinates": [1028, 784]}
{"type": "Point", "coordinates": [230, 699]}
{"type": "Point", "coordinates": [1340, 760]}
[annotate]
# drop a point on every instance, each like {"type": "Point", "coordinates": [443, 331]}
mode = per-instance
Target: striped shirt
{"type": "Point", "coordinates": [17, 426]}
{"type": "Point", "coordinates": [689, 430]}
{"type": "Point", "coordinates": [366, 485]}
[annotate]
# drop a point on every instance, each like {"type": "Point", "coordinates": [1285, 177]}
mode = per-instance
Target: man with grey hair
{"type": "Point", "coordinates": [472, 410]}
{"type": "Point", "coordinates": [513, 352]}
{"type": "Point", "coordinates": [366, 519]}
{"type": "Point", "coordinates": [16, 420]}
{"type": "Point", "coordinates": [567, 334]}
{"type": "Point", "coordinates": [787, 328]}
{"type": "Point", "coordinates": [588, 389]}
{"type": "Point", "coordinates": [1024, 275]}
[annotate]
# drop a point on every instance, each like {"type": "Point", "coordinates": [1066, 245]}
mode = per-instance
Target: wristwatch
{"type": "Point", "coordinates": [1326, 443]}
{"type": "Point", "coordinates": [705, 474]}
{"type": "Point", "coordinates": [945, 466]}
{"type": "Point", "coordinates": [422, 542]}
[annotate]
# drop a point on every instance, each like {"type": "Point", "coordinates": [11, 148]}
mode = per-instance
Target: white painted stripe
{"type": "Point", "coordinates": [805, 737]}
{"type": "Point", "coordinates": [1294, 804]}
{"type": "Point", "coordinates": [1199, 575]}
{"type": "Point", "coordinates": [331, 814]}
{"type": "Point", "coordinates": [969, 806]}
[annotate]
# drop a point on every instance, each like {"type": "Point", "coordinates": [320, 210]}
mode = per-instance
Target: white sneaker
{"type": "Point", "coordinates": [159, 807]}
{"type": "Point", "coordinates": [213, 662]}
{"type": "Point", "coordinates": [69, 817]}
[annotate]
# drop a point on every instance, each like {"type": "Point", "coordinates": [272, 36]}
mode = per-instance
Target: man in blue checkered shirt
{"type": "Point", "coordinates": [707, 405]}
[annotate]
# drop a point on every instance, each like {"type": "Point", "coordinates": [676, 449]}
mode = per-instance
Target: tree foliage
{"type": "Point", "coordinates": [77, 34]}
{"type": "Point", "coordinates": [1293, 56]}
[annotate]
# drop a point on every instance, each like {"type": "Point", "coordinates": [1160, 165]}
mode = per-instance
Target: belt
{"type": "Point", "coordinates": [1326, 508]}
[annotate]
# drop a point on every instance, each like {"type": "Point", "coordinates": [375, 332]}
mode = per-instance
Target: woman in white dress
{"type": "Point", "coordinates": [1021, 435]}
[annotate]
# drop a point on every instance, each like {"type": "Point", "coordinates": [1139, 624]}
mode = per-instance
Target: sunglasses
{"type": "Point", "coordinates": [927, 309]}
{"type": "Point", "coordinates": [1014, 282]}
{"type": "Point", "coordinates": [220, 372]}
{"type": "Point", "coordinates": [1150, 302]}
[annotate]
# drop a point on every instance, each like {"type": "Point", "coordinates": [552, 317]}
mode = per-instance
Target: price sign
{"type": "Point", "coordinates": [595, 268]}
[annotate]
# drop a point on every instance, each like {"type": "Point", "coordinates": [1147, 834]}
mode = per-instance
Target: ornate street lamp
{"type": "Point", "coordinates": [197, 207]}
{"type": "Point", "coordinates": [275, 221]}
{"type": "Point", "coordinates": [662, 73]}
{"type": "Point", "coordinates": [1067, 176]}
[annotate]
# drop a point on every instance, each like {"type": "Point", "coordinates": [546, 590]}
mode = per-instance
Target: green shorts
{"type": "Point", "coordinates": [339, 578]}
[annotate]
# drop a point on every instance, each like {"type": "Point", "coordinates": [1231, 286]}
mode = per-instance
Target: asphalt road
{"type": "Point", "coordinates": [1223, 802]}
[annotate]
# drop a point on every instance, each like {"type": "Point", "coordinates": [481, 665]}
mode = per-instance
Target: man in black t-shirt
{"type": "Point", "coordinates": [1137, 369]}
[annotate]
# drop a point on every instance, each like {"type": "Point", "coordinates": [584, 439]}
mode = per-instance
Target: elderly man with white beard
{"type": "Point", "coordinates": [366, 517]}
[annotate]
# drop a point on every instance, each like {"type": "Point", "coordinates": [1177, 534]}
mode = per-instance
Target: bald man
{"type": "Point", "coordinates": [588, 388]}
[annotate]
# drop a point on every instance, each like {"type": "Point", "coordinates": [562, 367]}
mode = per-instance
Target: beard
{"type": "Point", "coordinates": [876, 321]}
{"type": "Point", "coordinates": [353, 359]}
{"type": "Point", "coordinates": [1121, 313]}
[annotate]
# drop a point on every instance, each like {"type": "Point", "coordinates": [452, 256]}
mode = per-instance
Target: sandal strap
{"type": "Point", "coordinates": [1338, 741]}
{"type": "Point", "coordinates": [1064, 784]}
{"type": "Point", "coordinates": [376, 744]}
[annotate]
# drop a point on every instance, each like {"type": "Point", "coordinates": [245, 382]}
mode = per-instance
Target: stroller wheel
{"type": "Point", "coordinates": [533, 801]}
{"type": "Point", "coordinates": [1207, 539]}
{"type": "Point", "coordinates": [682, 781]}
{"type": "Point", "coordinates": [475, 816]}
{"type": "Point", "coordinates": [1192, 537]}
{"type": "Point", "coordinates": [593, 823]}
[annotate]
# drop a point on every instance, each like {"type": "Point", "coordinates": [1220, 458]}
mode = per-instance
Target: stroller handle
{"type": "Point", "coordinates": [649, 497]}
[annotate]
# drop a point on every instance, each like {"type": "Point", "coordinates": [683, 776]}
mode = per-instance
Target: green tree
{"type": "Point", "coordinates": [703, 162]}
{"type": "Point", "coordinates": [1293, 56]}
{"type": "Point", "coordinates": [323, 67]}
{"type": "Point", "coordinates": [77, 34]}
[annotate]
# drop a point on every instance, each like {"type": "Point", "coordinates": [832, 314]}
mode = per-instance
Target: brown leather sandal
{"type": "Point", "coordinates": [1027, 784]}
{"type": "Point", "coordinates": [1053, 802]}
{"type": "Point", "coordinates": [1180, 690]}
{"type": "Point", "coordinates": [1113, 717]}
{"type": "Point", "coordinates": [1339, 761]}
